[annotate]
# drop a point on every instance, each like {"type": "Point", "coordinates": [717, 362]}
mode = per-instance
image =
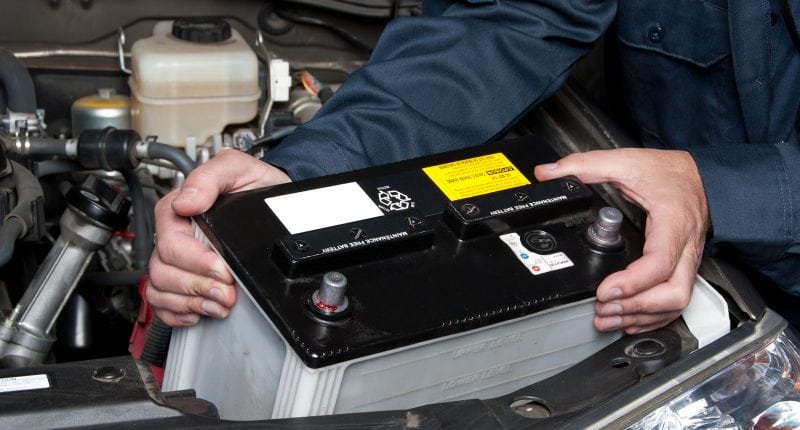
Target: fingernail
{"type": "Point", "coordinates": [612, 294]}
{"type": "Point", "coordinates": [217, 276]}
{"type": "Point", "coordinates": [612, 309]}
{"type": "Point", "coordinates": [549, 166]}
{"type": "Point", "coordinates": [188, 319]}
{"type": "Point", "coordinates": [632, 330]}
{"type": "Point", "coordinates": [213, 309]}
{"type": "Point", "coordinates": [611, 323]}
{"type": "Point", "coordinates": [217, 295]}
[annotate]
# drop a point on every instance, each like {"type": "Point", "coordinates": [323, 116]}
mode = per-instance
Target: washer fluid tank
{"type": "Point", "coordinates": [190, 79]}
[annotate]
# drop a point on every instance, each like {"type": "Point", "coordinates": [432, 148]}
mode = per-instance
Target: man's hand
{"type": "Point", "coordinates": [653, 290]}
{"type": "Point", "coordinates": [187, 279]}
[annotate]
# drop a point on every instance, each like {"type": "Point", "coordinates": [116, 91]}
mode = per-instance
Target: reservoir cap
{"type": "Point", "coordinates": [201, 29]}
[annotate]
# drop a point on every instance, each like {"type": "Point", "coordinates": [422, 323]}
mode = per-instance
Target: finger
{"type": "Point", "coordinates": [635, 321]}
{"type": "Point", "coordinates": [643, 329]}
{"type": "Point", "coordinates": [184, 304]}
{"type": "Point", "coordinates": [173, 319]}
{"type": "Point", "coordinates": [590, 167]}
{"type": "Point", "coordinates": [173, 280]}
{"type": "Point", "coordinates": [178, 247]}
{"type": "Point", "coordinates": [661, 298]}
{"type": "Point", "coordinates": [663, 249]}
{"type": "Point", "coordinates": [228, 171]}
{"type": "Point", "coordinates": [652, 308]}
{"type": "Point", "coordinates": [672, 295]}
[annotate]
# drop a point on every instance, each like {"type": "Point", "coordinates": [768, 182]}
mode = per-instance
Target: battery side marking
{"type": "Point", "coordinates": [476, 176]}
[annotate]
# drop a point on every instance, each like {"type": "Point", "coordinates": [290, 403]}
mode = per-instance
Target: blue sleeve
{"type": "Point", "coordinates": [455, 77]}
{"type": "Point", "coordinates": [753, 192]}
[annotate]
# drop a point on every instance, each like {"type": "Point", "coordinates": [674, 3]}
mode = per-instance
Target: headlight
{"type": "Point", "coordinates": [760, 391]}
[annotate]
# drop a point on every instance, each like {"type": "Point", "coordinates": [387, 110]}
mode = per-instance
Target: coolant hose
{"type": "Point", "coordinates": [17, 82]}
{"type": "Point", "coordinates": [21, 218]}
{"type": "Point", "coordinates": [37, 145]}
{"type": "Point", "coordinates": [171, 154]}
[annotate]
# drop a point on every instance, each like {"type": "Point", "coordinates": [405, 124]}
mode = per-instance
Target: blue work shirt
{"type": "Point", "coordinates": [718, 78]}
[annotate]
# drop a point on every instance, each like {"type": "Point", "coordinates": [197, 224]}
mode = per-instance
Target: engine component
{"type": "Point", "coordinates": [17, 83]}
{"type": "Point", "coordinates": [101, 110]}
{"type": "Point", "coordinates": [94, 211]}
{"type": "Point", "coordinates": [22, 123]}
{"type": "Point", "coordinates": [192, 87]}
{"type": "Point", "coordinates": [26, 218]}
{"type": "Point", "coordinates": [440, 285]}
{"type": "Point", "coordinates": [108, 149]}
{"type": "Point", "coordinates": [7, 197]}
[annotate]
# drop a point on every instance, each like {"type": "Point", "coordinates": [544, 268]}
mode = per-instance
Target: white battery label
{"type": "Point", "coordinates": [24, 383]}
{"type": "Point", "coordinates": [323, 207]}
{"type": "Point", "coordinates": [536, 263]}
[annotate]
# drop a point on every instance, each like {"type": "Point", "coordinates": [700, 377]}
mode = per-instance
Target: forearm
{"type": "Point", "coordinates": [454, 78]}
{"type": "Point", "coordinates": [753, 193]}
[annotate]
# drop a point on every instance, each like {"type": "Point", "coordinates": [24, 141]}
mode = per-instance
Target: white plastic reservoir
{"type": "Point", "coordinates": [191, 79]}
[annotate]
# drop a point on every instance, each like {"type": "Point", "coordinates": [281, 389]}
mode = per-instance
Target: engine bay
{"type": "Point", "coordinates": [89, 81]}
{"type": "Point", "coordinates": [108, 105]}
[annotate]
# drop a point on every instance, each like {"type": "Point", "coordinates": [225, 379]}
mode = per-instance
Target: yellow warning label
{"type": "Point", "coordinates": [475, 176]}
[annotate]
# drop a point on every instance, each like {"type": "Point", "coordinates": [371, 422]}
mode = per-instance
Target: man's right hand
{"type": "Point", "coordinates": [187, 279]}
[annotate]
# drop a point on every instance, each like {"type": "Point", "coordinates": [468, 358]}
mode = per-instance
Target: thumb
{"type": "Point", "coordinates": [191, 201]}
{"type": "Point", "coordinates": [229, 171]}
{"type": "Point", "coordinates": [593, 167]}
{"type": "Point", "coordinates": [544, 172]}
{"type": "Point", "coordinates": [226, 172]}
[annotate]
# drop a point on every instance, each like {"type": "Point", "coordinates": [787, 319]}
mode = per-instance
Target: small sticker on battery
{"type": "Point", "coordinates": [24, 383]}
{"type": "Point", "coordinates": [535, 263]}
{"type": "Point", "coordinates": [476, 176]}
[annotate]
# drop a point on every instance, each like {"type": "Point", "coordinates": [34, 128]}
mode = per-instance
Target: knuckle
{"type": "Point", "coordinates": [151, 294]}
{"type": "Point", "coordinates": [194, 305]}
{"type": "Point", "coordinates": [683, 299]}
{"type": "Point", "coordinates": [165, 203]}
{"type": "Point", "coordinates": [195, 288]}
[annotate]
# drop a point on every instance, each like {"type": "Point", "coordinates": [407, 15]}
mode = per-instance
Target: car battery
{"type": "Point", "coordinates": [440, 278]}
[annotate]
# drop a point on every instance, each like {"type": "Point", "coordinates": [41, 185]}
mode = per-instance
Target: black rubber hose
{"type": "Point", "coordinates": [21, 218]}
{"type": "Point", "coordinates": [348, 37]}
{"type": "Point", "coordinates": [157, 344]}
{"type": "Point", "coordinates": [106, 279]}
{"type": "Point", "coordinates": [272, 138]}
{"type": "Point", "coordinates": [171, 154]}
{"type": "Point", "coordinates": [142, 241]}
{"type": "Point", "coordinates": [46, 146]}
{"type": "Point", "coordinates": [271, 23]}
{"type": "Point", "coordinates": [17, 82]}
{"type": "Point", "coordinates": [10, 231]}
{"type": "Point", "coordinates": [37, 146]}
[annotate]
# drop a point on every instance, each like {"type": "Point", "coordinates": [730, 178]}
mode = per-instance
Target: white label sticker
{"type": "Point", "coordinates": [323, 207]}
{"type": "Point", "coordinates": [535, 263]}
{"type": "Point", "coordinates": [23, 383]}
